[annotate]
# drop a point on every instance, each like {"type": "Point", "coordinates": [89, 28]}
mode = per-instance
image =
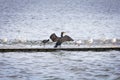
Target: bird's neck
{"type": "Point", "coordinates": [61, 34]}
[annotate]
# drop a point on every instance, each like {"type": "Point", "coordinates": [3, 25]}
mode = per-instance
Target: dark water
{"type": "Point", "coordinates": [60, 65]}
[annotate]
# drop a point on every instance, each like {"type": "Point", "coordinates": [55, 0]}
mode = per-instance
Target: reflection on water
{"type": "Point", "coordinates": [60, 65]}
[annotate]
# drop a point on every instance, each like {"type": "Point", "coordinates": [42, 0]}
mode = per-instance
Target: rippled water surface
{"type": "Point", "coordinates": [60, 65]}
{"type": "Point", "coordinates": [81, 19]}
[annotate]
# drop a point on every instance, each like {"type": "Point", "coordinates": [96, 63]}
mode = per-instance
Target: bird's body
{"type": "Point", "coordinates": [62, 39]}
{"type": "Point", "coordinates": [58, 43]}
{"type": "Point", "coordinates": [55, 38]}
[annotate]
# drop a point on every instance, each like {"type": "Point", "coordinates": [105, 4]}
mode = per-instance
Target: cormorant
{"type": "Point", "coordinates": [55, 38]}
{"type": "Point", "coordinates": [45, 41]}
{"type": "Point", "coordinates": [62, 39]}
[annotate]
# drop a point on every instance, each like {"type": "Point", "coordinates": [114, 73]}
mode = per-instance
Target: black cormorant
{"type": "Point", "coordinates": [55, 38]}
{"type": "Point", "coordinates": [62, 39]}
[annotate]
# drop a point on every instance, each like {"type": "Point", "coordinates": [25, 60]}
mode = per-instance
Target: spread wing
{"type": "Point", "coordinates": [53, 37]}
{"type": "Point", "coordinates": [67, 38]}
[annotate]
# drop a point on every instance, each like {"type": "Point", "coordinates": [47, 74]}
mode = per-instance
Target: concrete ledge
{"type": "Point", "coordinates": [57, 49]}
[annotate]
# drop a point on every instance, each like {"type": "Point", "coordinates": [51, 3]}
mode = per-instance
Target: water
{"type": "Point", "coordinates": [61, 65]}
{"type": "Point", "coordinates": [81, 19]}
{"type": "Point", "coordinates": [35, 20]}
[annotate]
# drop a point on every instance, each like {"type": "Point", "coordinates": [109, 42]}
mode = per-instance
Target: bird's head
{"type": "Point", "coordinates": [63, 32]}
